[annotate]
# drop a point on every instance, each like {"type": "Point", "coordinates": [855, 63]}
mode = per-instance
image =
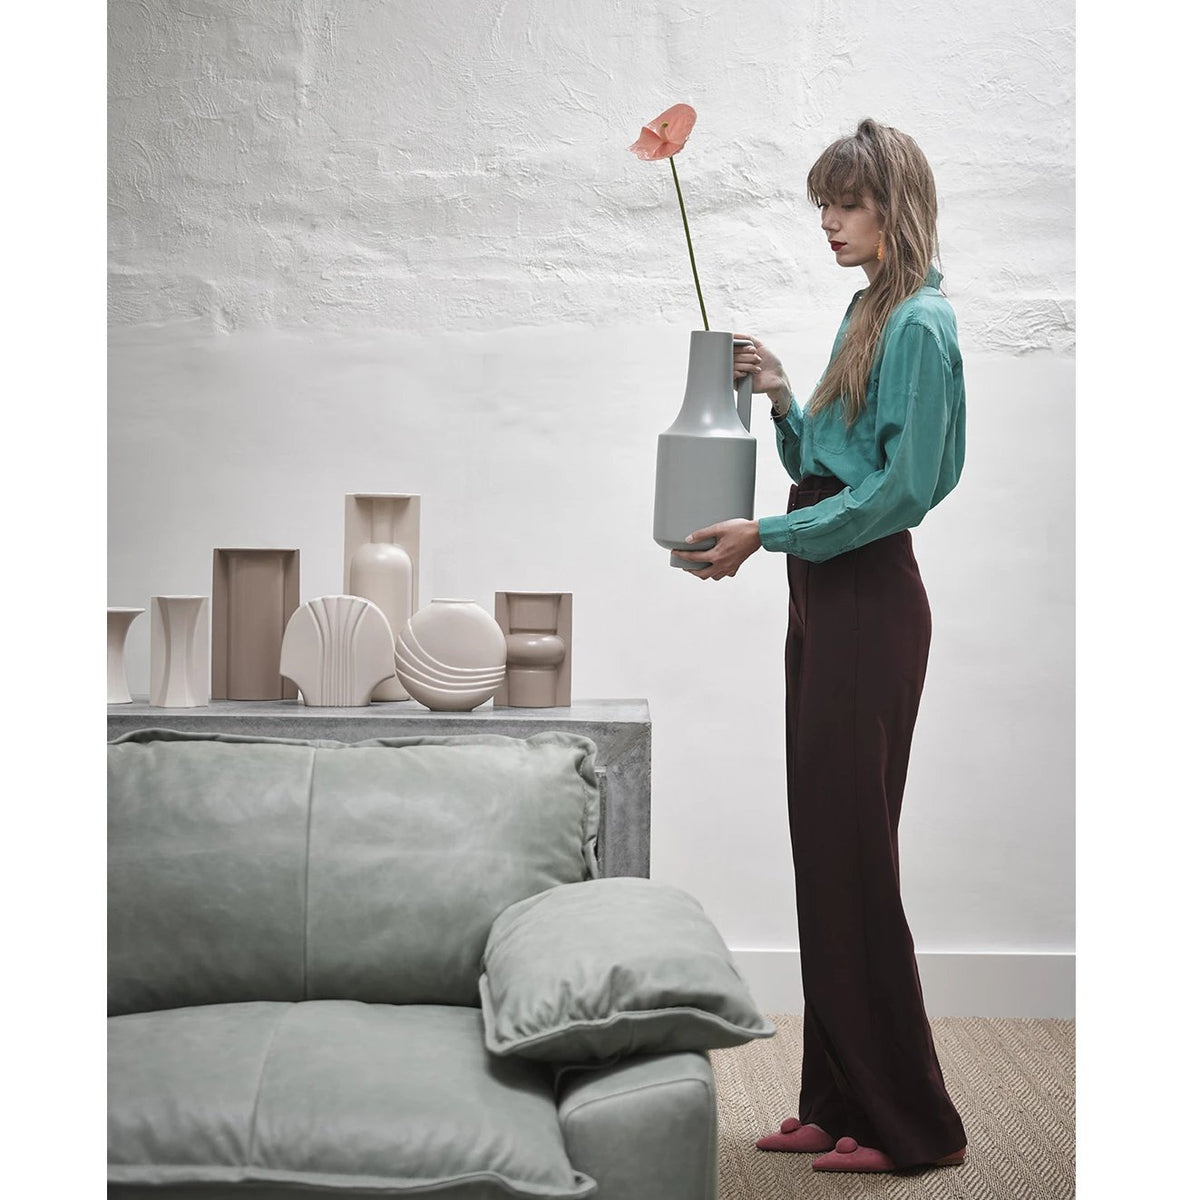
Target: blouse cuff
{"type": "Point", "coordinates": [792, 422]}
{"type": "Point", "coordinates": [774, 533]}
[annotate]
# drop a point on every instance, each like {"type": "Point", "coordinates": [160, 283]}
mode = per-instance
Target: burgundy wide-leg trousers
{"type": "Point", "coordinates": [857, 647]}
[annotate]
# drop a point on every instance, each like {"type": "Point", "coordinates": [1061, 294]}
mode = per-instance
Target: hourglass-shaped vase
{"type": "Point", "coordinates": [382, 542]}
{"type": "Point", "coordinates": [537, 633]}
{"type": "Point", "coordinates": [119, 621]}
{"type": "Point", "coordinates": [178, 651]}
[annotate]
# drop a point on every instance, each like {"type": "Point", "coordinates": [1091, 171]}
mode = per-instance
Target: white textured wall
{"type": "Point", "coordinates": [402, 247]}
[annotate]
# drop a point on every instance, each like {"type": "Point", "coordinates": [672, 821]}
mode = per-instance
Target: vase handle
{"type": "Point", "coordinates": [745, 388]}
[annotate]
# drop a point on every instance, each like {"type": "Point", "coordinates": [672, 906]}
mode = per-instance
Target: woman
{"type": "Point", "coordinates": [879, 443]}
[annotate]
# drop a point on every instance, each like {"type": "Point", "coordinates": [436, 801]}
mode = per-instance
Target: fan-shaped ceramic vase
{"type": "Point", "coordinates": [336, 650]}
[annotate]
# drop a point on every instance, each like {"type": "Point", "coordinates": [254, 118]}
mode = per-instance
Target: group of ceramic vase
{"type": "Point", "coordinates": [370, 642]}
{"type": "Point", "coordinates": [340, 651]}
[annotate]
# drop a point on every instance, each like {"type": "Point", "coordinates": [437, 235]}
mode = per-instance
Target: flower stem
{"type": "Point", "coordinates": [687, 234]}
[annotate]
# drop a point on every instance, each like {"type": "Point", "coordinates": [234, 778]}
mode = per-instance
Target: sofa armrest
{"type": "Point", "coordinates": [644, 1128]}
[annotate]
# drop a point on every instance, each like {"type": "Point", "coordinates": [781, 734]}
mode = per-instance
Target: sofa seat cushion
{"type": "Point", "coordinates": [332, 1096]}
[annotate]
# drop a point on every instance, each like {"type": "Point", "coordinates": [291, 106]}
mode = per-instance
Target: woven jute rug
{"type": "Point", "coordinates": [1012, 1080]}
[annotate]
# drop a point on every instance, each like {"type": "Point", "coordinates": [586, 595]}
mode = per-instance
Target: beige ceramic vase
{"type": "Point", "coordinates": [119, 621]}
{"type": "Point", "coordinates": [459, 633]}
{"type": "Point", "coordinates": [451, 655]}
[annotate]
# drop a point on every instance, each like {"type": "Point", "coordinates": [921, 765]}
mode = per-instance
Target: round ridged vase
{"type": "Point", "coordinates": [459, 633]}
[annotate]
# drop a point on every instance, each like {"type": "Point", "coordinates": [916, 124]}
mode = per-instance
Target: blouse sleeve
{"type": "Point", "coordinates": [789, 440]}
{"type": "Point", "coordinates": [914, 399]}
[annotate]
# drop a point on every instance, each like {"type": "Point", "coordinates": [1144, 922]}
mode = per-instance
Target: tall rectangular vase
{"type": "Point", "coordinates": [255, 593]}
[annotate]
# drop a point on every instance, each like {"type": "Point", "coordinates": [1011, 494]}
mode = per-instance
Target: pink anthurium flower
{"type": "Point", "coordinates": [664, 137]}
{"type": "Point", "coordinates": [666, 134]}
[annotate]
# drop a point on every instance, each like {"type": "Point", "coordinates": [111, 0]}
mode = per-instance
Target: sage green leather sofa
{"type": "Point", "coordinates": [297, 935]}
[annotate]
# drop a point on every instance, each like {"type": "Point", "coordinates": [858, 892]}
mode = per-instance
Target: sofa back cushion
{"type": "Point", "coordinates": [245, 868]}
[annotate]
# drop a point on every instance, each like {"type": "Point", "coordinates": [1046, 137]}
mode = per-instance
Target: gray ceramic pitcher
{"type": "Point", "coordinates": [706, 458]}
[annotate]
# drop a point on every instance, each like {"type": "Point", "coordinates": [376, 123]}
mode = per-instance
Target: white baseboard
{"type": "Point", "coordinates": [993, 984]}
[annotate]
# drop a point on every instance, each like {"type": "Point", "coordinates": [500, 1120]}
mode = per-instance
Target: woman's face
{"type": "Point", "coordinates": [851, 226]}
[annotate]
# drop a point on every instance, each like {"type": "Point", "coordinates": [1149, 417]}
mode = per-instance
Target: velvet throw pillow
{"type": "Point", "coordinates": [611, 967]}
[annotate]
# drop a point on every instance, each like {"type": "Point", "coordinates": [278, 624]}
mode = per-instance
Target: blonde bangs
{"type": "Point", "coordinates": [842, 169]}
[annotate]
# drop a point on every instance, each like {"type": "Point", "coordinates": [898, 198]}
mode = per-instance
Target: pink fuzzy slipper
{"type": "Point", "coordinates": [800, 1139]}
{"type": "Point", "coordinates": [848, 1155]}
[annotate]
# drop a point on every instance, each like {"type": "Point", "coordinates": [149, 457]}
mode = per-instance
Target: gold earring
{"type": "Point", "coordinates": [879, 248]}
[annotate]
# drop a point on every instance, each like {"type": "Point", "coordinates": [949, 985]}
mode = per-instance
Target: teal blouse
{"type": "Point", "coordinates": [904, 453]}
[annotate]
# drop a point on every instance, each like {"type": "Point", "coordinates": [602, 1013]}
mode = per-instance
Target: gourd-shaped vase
{"type": "Point", "coordinates": [537, 629]}
{"type": "Point", "coordinates": [706, 459]}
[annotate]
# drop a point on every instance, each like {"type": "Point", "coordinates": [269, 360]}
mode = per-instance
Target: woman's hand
{"type": "Point", "coordinates": [768, 372]}
{"type": "Point", "coordinates": [736, 541]}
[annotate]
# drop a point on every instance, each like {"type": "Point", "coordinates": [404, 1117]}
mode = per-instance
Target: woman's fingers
{"type": "Point", "coordinates": [747, 360]}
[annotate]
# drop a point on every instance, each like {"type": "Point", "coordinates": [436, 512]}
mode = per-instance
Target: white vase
{"type": "Point", "coordinates": [382, 573]}
{"type": "Point", "coordinates": [382, 543]}
{"type": "Point", "coordinates": [119, 621]}
{"type": "Point", "coordinates": [337, 649]}
{"type": "Point", "coordinates": [179, 651]}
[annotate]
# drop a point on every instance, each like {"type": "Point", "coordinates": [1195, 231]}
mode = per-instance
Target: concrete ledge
{"type": "Point", "coordinates": [989, 984]}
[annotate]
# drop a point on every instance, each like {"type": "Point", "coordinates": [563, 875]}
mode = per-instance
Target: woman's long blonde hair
{"type": "Point", "coordinates": [888, 164]}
